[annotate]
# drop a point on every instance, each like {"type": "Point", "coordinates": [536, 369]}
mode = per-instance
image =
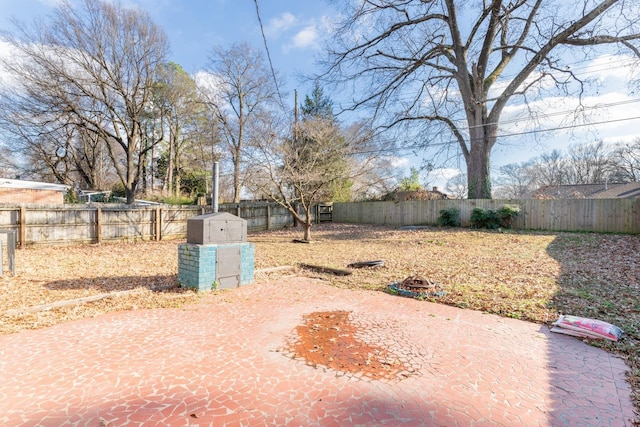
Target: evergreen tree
{"type": "Point", "coordinates": [317, 106]}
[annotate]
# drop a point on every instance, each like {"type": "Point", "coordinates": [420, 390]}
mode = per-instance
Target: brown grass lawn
{"type": "Point", "coordinates": [525, 275]}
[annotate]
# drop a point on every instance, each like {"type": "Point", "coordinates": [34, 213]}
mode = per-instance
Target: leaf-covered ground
{"type": "Point", "coordinates": [524, 275]}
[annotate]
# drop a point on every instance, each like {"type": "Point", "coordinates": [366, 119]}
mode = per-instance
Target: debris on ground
{"type": "Point", "coordinates": [323, 269]}
{"type": "Point", "coordinates": [586, 328]}
{"type": "Point", "coordinates": [417, 287]}
{"type": "Point", "coordinates": [365, 264]}
{"type": "Point", "coordinates": [416, 227]}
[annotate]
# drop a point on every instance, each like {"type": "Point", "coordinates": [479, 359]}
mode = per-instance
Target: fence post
{"type": "Point", "coordinates": [268, 215]}
{"type": "Point", "coordinates": [158, 223]}
{"type": "Point", "coordinates": [98, 225]}
{"type": "Point", "coordinates": [23, 227]}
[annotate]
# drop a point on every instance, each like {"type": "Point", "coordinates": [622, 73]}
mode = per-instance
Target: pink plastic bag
{"type": "Point", "coordinates": [588, 328]}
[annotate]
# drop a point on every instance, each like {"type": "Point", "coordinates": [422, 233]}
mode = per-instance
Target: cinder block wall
{"type": "Point", "coordinates": [247, 263]}
{"type": "Point", "coordinates": [197, 265]}
{"type": "Point", "coordinates": [27, 195]}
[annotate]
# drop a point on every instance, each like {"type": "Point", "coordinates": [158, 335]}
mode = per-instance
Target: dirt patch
{"type": "Point", "coordinates": [330, 339]}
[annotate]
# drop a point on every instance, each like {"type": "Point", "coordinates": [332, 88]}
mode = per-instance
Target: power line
{"type": "Point", "coordinates": [266, 48]}
{"type": "Point", "coordinates": [561, 113]}
{"type": "Point", "coordinates": [624, 63]}
{"type": "Point", "coordinates": [453, 141]}
{"type": "Point", "coordinates": [569, 127]}
{"type": "Point", "coordinates": [602, 67]}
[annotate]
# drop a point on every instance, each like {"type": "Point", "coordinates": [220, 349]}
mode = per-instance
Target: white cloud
{"type": "Point", "coordinates": [439, 177]}
{"type": "Point", "coordinates": [611, 69]}
{"type": "Point", "coordinates": [305, 38]}
{"type": "Point", "coordinates": [7, 79]}
{"type": "Point", "coordinates": [445, 173]}
{"type": "Point", "coordinates": [309, 34]}
{"type": "Point", "coordinates": [282, 23]}
{"type": "Point", "coordinates": [399, 162]}
{"type": "Point", "coordinates": [209, 85]}
{"type": "Point", "coordinates": [631, 137]}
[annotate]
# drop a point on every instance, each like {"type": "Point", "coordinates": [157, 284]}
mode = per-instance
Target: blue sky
{"type": "Point", "coordinates": [295, 30]}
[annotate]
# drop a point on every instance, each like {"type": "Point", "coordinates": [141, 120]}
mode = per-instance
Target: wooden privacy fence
{"type": "Point", "coordinates": [77, 224]}
{"type": "Point", "coordinates": [592, 215]}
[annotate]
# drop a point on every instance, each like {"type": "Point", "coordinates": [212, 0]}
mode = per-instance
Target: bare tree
{"type": "Point", "coordinates": [457, 186]}
{"type": "Point", "coordinates": [303, 170]}
{"type": "Point", "coordinates": [589, 163]}
{"type": "Point", "coordinates": [52, 151]}
{"type": "Point", "coordinates": [178, 108]}
{"type": "Point", "coordinates": [206, 148]}
{"type": "Point", "coordinates": [9, 167]}
{"type": "Point", "coordinates": [550, 169]}
{"type": "Point", "coordinates": [89, 154]}
{"type": "Point", "coordinates": [378, 178]}
{"type": "Point", "coordinates": [244, 90]}
{"type": "Point", "coordinates": [434, 66]}
{"type": "Point", "coordinates": [91, 68]}
{"type": "Point", "coordinates": [518, 180]}
{"type": "Point", "coordinates": [626, 159]}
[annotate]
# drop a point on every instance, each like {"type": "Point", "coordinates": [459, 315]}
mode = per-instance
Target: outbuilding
{"type": "Point", "coordinates": [16, 191]}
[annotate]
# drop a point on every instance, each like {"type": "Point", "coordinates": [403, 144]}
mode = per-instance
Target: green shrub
{"type": "Point", "coordinates": [449, 217]}
{"type": "Point", "coordinates": [492, 219]}
{"type": "Point", "coordinates": [484, 218]}
{"type": "Point", "coordinates": [118, 190]}
{"type": "Point", "coordinates": [71, 196]}
{"type": "Point", "coordinates": [179, 200]}
{"type": "Point", "coordinates": [506, 214]}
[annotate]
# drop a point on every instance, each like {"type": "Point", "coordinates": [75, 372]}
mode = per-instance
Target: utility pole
{"type": "Point", "coordinates": [216, 186]}
{"type": "Point", "coordinates": [295, 116]}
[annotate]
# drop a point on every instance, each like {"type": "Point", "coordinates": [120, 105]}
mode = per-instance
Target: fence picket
{"type": "Point", "coordinates": [591, 215]}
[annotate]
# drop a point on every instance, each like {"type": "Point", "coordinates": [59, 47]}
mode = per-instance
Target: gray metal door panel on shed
{"type": "Point", "coordinates": [228, 266]}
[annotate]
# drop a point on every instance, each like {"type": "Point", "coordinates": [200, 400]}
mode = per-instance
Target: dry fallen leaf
{"type": "Point", "coordinates": [527, 275]}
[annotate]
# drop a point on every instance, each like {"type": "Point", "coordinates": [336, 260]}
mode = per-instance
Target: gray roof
{"type": "Point", "coordinates": [32, 185]}
{"type": "Point", "coordinates": [622, 191]}
{"type": "Point", "coordinates": [589, 191]}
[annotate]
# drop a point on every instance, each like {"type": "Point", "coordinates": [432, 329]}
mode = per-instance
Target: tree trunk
{"type": "Point", "coordinates": [237, 187]}
{"type": "Point", "coordinates": [307, 230]}
{"type": "Point", "coordinates": [131, 184]}
{"type": "Point", "coordinates": [478, 178]}
{"type": "Point", "coordinates": [178, 182]}
{"type": "Point", "coordinates": [151, 166]}
{"type": "Point", "coordinates": [130, 194]}
{"type": "Point", "coordinates": [482, 139]}
{"type": "Point", "coordinates": [144, 173]}
{"type": "Point", "coordinates": [297, 219]}
{"type": "Point", "coordinates": [170, 167]}
{"type": "Point", "coordinates": [308, 221]}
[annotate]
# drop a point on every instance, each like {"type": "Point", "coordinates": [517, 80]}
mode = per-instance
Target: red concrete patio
{"type": "Point", "coordinates": [231, 362]}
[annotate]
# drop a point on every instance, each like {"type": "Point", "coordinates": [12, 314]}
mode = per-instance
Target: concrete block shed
{"type": "Point", "coordinates": [216, 255]}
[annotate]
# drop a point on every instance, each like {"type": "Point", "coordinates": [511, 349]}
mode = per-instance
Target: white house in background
{"type": "Point", "coordinates": [17, 191]}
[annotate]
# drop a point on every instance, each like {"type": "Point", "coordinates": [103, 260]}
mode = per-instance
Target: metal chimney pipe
{"type": "Point", "coordinates": [216, 180]}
